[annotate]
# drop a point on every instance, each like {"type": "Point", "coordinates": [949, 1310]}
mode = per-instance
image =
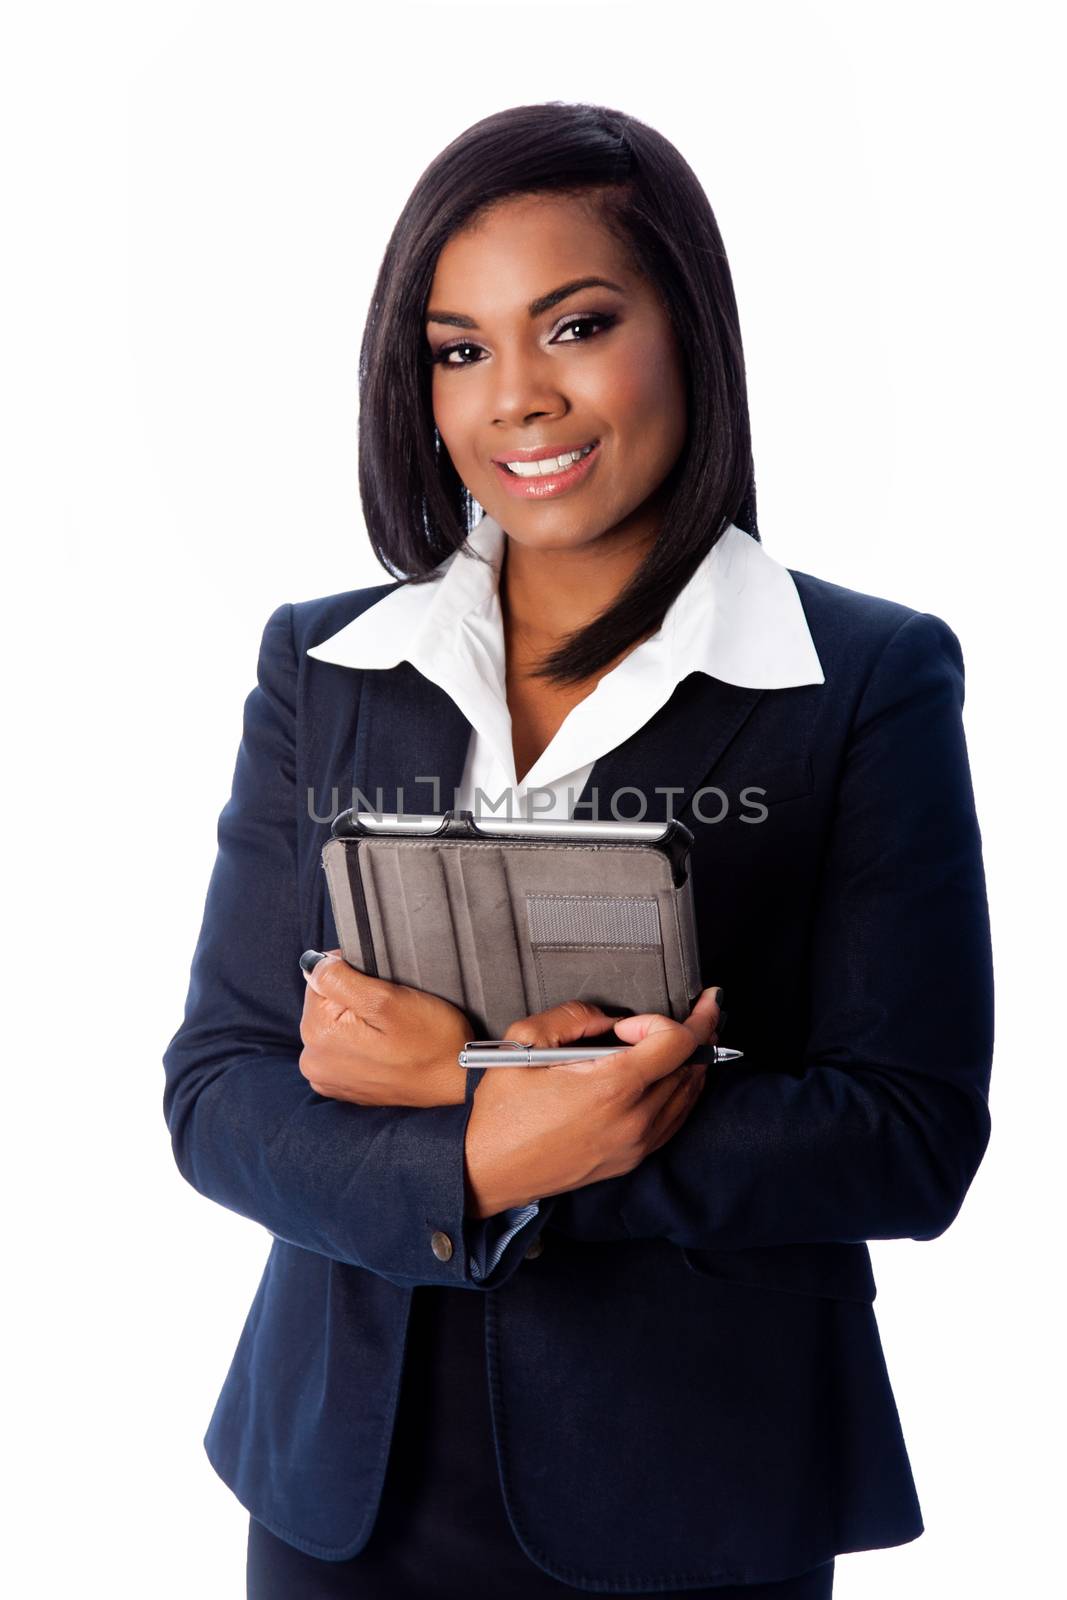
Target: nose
{"type": "Point", "coordinates": [525, 385]}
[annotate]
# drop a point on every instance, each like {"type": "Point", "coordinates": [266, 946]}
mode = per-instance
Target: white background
{"type": "Point", "coordinates": [196, 198]}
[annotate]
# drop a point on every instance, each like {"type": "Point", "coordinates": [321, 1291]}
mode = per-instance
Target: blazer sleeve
{"type": "Point", "coordinates": [376, 1187]}
{"type": "Point", "coordinates": [878, 1131]}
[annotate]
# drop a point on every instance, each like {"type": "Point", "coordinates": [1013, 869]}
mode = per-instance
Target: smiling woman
{"type": "Point", "coordinates": [564, 413]}
{"type": "Point", "coordinates": [559, 274]}
{"type": "Point", "coordinates": [662, 1373]}
{"type": "Point", "coordinates": [588, 369]}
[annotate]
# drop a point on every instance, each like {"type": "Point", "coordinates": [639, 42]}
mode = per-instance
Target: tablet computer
{"type": "Point", "coordinates": [505, 917]}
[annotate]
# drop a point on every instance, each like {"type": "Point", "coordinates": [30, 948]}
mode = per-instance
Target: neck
{"type": "Point", "coordinates": [547, 594]}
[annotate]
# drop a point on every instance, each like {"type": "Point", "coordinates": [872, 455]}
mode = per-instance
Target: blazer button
{"type": "Point", "coordinates": [441, 1245]}
{"type": "Point", "coordinates": [535, 1250]}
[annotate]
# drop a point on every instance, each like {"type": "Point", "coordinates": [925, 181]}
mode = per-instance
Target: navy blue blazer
{"type": "Point", "coordinates": [687, 1382]}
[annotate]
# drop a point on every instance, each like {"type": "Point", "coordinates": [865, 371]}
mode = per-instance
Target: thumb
{"type": "Point", "coordinates": [316, 965]}
{"type": "Point", "coordinates": [632, 1029]}
{"type": "Point", "coordinates": [703, 1020]}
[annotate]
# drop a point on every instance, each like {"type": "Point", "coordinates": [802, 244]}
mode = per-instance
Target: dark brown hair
{"type": "Point", "coordinates": [416, 507]}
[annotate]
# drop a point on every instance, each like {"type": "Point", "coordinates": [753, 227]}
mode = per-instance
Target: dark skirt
{"type": "Point", "coordinates": [442, 1528]}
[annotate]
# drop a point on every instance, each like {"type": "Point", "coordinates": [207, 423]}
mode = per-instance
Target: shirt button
{"type": "Point", "coordinates": [535, 1250]}
{"type": "Point", "coordinates": [441, 1245]}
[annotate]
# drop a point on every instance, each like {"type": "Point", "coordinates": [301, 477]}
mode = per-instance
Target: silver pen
{"type": "Point", "coordinates": [514, 1053]}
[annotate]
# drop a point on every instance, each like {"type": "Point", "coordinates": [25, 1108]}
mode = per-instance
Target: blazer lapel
{"type": "Point", "coordinates": [412, 733]}
{"type": "Point", "coordinates": [411, 743]}
{"type": "Point", "coordinates": [667, 759]}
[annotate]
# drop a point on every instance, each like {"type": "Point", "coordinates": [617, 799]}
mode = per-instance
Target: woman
{"type": "Point", "coordinates": [609, 1326]}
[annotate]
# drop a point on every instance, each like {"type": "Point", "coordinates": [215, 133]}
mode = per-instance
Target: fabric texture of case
{"type": "Point", "coordinates": [503, 929]}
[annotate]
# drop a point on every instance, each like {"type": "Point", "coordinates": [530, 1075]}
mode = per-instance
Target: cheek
{"type": "Point", "coordinates": [648, 397]}
{"type": "Point", "coordinates": [454, 415]}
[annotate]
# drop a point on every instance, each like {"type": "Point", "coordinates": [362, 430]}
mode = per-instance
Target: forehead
{"type": "Point", "coordinates": [523, 247]}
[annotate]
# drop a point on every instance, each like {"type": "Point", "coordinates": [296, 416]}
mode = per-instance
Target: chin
{"type": "Point", "coordinates": [565, 537]}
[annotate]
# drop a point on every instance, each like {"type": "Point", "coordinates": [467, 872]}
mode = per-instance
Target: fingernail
{"type": "Point", "coordinates": [311, 958]}
{"type": "Point", "coordinates": [718, 997]}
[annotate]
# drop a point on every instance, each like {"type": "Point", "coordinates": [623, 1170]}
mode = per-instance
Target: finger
{"type": "Point", "coordinates": [333, 1003]}
{"type": "Point", "coordinates": [659, 1045]}
{"type": "Point", "coordinates": [348, 995]}
{"type": "Point", "coordinates": [344, 986]}
{"type": "Point", "coordinates": [684, 1091]}
{"type": "Point", "coordinates": [705, 1010]}
{"type": "Point", "coordinates": [704, 1017]}
{"type": "Point", "coordinates": [310, 959]}
{"type": "Point", "coordinates": [562, 1024]}
{"type": "Point", "coordinates": [702, 1021]}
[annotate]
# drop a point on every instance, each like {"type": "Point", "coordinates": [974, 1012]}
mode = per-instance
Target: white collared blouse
{"type": "Point", "coordinates": [739, 619]}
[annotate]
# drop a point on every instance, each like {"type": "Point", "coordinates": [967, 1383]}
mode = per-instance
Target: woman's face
{"type": "Point", "coordinates": [526, 363]}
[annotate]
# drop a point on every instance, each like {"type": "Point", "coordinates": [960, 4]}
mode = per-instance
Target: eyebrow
{"type": "Point", "coordinates": [544, 302]}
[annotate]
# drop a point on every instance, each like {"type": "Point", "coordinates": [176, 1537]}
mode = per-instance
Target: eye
{"type": "Point", "coordinates": [583, 322]}
{"type": "Point", "coordinates": [441, 358]}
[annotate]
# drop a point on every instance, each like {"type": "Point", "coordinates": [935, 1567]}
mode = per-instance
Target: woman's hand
{"type": "Point", "coordinates": [378, 1043]}
{"type": "Point", "coordinates": [539, 1131]}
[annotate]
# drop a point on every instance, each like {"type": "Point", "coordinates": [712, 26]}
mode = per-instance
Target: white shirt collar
{"type": "Point", "coordinates": [739, 619]}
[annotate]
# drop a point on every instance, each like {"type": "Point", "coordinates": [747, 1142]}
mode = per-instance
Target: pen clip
{"type": "Point", "coordinates": [498, 1044]}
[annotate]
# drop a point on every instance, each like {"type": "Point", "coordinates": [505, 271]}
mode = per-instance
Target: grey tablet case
{"type": "Point", "coordinates": [505, 918]}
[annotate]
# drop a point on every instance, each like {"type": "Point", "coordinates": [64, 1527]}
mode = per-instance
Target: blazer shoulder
{"type": "Point", "coordinates": [317, 620]}
{"type": "Point", "coordinates": [831, 604]}
{"type": "Point", "coordinates": [851, 629]}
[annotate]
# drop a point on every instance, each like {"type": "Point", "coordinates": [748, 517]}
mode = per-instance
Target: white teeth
{"type": "Point", "coordinates": [541, 469]}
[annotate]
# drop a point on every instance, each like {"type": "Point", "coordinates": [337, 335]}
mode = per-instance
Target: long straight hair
{"type": "Point", "coordinates": [416, 508]}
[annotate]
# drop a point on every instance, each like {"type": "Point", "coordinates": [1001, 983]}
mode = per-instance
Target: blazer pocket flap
{"type": "Point", "coordinates": [838, 1271]}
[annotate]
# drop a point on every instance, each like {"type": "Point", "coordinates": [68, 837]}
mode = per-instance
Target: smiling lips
{"type": "Point", "coordinates": [530, 466]}
{"type": "Point", "coordinates": [537, 475]}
